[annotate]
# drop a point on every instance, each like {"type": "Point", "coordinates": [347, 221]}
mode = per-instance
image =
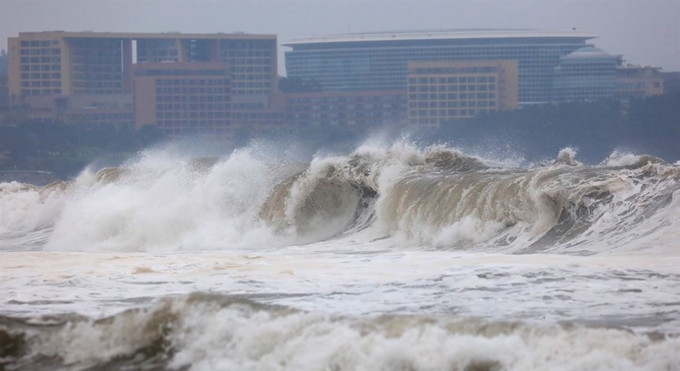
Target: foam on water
{"type": "Point", "coordinates": [391, 257]}
{"type": "Point", "coordinates": [208, 332]}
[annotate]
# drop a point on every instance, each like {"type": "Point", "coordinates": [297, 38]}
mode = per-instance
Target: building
{"type": "Point", "coordinates": [378, 61]}
{"type": "Point", "coordinates": [258, 113]}
{"type": "Point", "coordinates": [91, 63]}
{"type": "Point", "coordinates": [440, 92]}
{"type": "Point", "coordinates": [634, 81]}
{"type": "Point", "coordinates": [183, 97]}
{"type": "Point", "coordinates": [351, 109]}
{"type": "Point", "coordinates": [587, 74]}
{"type": "Point", "coordinates": [96, 109]}
{"type": "Point", "coordinates": [164, 79]}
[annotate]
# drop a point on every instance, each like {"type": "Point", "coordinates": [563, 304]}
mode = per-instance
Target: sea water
{"type": "Point", "coordinates": [390, 257]}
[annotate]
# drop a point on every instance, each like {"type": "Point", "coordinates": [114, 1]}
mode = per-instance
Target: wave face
{"type": "Point", "coordinates": [436, 197]}
{"type": "Point", "coordinates": [210, 332]}
{"type": "Point", "coordinates": [387, 258]}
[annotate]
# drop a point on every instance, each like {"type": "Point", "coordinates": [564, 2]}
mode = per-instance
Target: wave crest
{"type": "Point", "coordinates": [206, 332]}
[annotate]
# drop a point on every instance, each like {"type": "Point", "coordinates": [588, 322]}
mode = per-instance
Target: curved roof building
{"type": "Point", "coordinates": [587, 74]}
{"type": "Point", "coordinates": [378, 61]}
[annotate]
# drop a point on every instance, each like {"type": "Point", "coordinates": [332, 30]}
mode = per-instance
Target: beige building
{"type": "Point", "coordinates": [443, 91]}
{"type": "Point", "coordinates": [634, 81]}
{"type": "Point", "coordinates": [183, 97]}
{"type": "Point", "coordinates": [346, 108]}
{"type": "Point", "coordinates": [87, 63]}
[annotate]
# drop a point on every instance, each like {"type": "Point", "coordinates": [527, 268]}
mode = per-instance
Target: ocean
{"type": "Point", "coordinates": [386, 257]}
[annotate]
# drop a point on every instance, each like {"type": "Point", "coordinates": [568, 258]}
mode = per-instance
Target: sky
{"type": "Point", "coordinates": [643, 31]}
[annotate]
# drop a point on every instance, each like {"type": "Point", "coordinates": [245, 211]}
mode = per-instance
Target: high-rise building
{"type": "Point", "coordinates": [100, 63]}
{"type": "Point", "coordinates": [440, 92]}
{"type": "Point", "coordinates": [379, 61]}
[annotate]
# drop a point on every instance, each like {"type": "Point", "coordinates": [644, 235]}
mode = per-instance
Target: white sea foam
{"type": "Point", "coordinates": [391, 257]}
{"type": "Point", "coordinates": [213, 333]}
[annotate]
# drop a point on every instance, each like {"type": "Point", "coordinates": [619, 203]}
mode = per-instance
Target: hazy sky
{"type": "Point", "coordinates": [643, 31]}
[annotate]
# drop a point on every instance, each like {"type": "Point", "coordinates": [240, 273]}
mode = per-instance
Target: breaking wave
{"type": "Point", "coordinates": [208, 332]}
{"type": "Point", "coordinates": [434, 197]}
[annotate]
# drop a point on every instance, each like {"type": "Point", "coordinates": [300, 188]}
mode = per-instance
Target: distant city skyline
{"type": "Point", "coordinates": [644, 32]}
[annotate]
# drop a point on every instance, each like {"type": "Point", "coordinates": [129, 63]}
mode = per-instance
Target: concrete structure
{"type": "Point", "coordinates": [585, 75]}
{"type": "Point", "coordinates": [358, 108]}
{"type": "Point", "coordinates": [633, 81]}
{"type": "Point", "coordinates": [440, 92]}
{"type": "Point", "coordinates": [378, 61]}
{"type": "Point", "coordinates": [183, 97]}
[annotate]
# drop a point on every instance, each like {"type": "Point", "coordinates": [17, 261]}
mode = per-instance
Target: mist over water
{"type": "Point", "coordinates": [387, 256]}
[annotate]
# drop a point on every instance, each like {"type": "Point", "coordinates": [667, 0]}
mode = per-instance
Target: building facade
{"type": "Point", "coordinates": [89, 63]}
{"type": "Point", "coordinates": [634, 81]}
{"type": "Point", "coordinates": [357, 108]}
{"type": "Point", "coordinates": [183, 97]}
{"type": "Point", "coordinates": [379, 61]}
{"type": "Point", "coordinates": [440, 92]}
{"type": "Point", "coordinates": [585, 75]}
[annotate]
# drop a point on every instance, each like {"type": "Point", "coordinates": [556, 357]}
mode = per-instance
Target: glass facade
{"type": "Point", "coordinates": [588, 74]}
{"type": "Point", "coordinates": [381, 63]}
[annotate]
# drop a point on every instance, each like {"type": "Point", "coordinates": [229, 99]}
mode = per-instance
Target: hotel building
{"type": "Point", "coordinates": [379, 61]}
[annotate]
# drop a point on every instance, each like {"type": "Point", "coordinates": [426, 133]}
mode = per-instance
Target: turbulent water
{"type": "Point", "coordinates": [387, 258]}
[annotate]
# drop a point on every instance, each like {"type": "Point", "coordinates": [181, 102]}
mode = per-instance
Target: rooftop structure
{"type": "Point", "coordinates": [420, 35]}
{"type": "Point", "coordinates": [378, 61]}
